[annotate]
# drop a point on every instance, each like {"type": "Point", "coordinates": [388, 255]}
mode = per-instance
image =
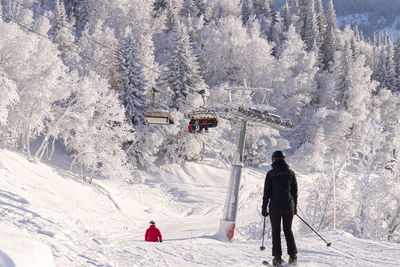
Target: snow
{"type": "Point", "coordinates": [49, 217]}
{"type": "Point", "coordinates": [19, 249]}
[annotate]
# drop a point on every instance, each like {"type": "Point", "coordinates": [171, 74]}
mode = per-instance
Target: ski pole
{"type": "Point", "coordinates": [263, 233]}
{"type": "Point", "coordinates": [328, 244]}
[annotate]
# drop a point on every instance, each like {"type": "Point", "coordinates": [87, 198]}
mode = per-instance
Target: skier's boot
{"type": "Point", "coordinates": [277, 261]}
{"type": "Point", "coordinates": [293, 259]}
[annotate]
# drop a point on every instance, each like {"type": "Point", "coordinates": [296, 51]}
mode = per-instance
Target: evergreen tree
{"type": "Point", "coordinates": [59, 33]}
{"type": "Point", "coordinates": [397, 60]}
{"type": "Point", "coordinates": [387, 69]}
{"type": "Point", "coordinates": [354, 44]}
{"type": "Point", "coordinates": [320, 16]}
{"type": "Point", "coordinates": [294, 6]}
{"type": "Point", "coordinates": [130, 82]}
{"type": "Point", "coordinates": [331, 41]}
{"type": "Point", "coordinates": [309, 30]}
{"type": "Point", "coordinates": [343, 82]}
{"type": "Point", "coordinates": [265, 14]}
{"type": "Point", "coordinates": [10, 10]}
{"type": "Point", "coordinates": [263, 8]}
{"type": "Point", "coordinates": [286, 16]}
{"type": "Point", "coordinates": [182, 73]}
{"type": "Point", "coordinates": [189, 9]}
{"type": "Point", "coordinates": [247, 10]}
{"type": "Point", "coordinates": [202, 9]}
{"type": "Point", "coordinates": [79, 10]}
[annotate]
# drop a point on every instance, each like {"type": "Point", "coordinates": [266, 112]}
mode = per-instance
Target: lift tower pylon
{"type": "Point", "coordinates": [228, 221]}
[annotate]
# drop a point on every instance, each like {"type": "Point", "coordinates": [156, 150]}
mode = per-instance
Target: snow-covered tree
{"type": "Point", "coordinates": [397, 60]}
{"type": "Point", "coordinates": [94, 128]}
{"type": "Point", "coordinates": [129, 82]}
{"type": "Point", "coordinates": [296, 85]}
{"type": "Point", "coordinates": [386, 69]}
{"type": "Point", "coordinates": [8, 97]}
{"type": "Point", "coordinates": [60, 32]}
{"type": "Point", "coordinates": [182, 73]}
{"type": "Point", "coordinates": [309, 30]}
{"type": "Point", "coordinates": [233, 55]}
{"type": "Point", "coordinates": [387, 206]}
{"type": "Point", "coordinates": [220, 9]}
{"type": "Point", "coordinates": [32, 63]}
{"type": "Point", "coordinates": [95, 57]}
{"type": "Point", "coordinates": [344, 111]}
{"type": "Point", "coordinates": [78, 12]}
{"type": "Point", "coordinates": [320, 17]}
{"type": "Point", "coordinates": [14, 11]}
{"type": "Point", "coordinates": [330, 43]}
{"type": "Point", "coordinates": [247, 10]}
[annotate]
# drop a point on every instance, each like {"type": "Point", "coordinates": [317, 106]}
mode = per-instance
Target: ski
{"type": "Point", "coordinates": [267, 263]}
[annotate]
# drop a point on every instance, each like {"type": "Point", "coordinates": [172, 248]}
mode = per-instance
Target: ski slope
{"type": "Point", "coordinates": [51, 218]}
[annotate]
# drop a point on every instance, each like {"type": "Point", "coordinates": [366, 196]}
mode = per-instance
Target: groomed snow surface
{"type": "Point", "coordinates": [51, 218]}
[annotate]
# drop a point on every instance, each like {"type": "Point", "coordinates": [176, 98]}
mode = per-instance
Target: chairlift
{"type": "Point", "coordinates": [202, 120]}
{"type": "Point", "coordinates": [159, 118]}
{"type": "Point", "coordinates": [156, 115]}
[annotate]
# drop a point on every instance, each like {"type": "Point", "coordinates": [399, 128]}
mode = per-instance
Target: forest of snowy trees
{"type": "Point", "coordinates": [83, 73]}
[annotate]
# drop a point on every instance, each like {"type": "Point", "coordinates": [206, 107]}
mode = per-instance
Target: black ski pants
{"type": "Point", "coordinates": [286, 216]}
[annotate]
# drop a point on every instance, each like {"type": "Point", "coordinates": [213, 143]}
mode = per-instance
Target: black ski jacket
{"type": "Point", "coordinates": [280, 188]}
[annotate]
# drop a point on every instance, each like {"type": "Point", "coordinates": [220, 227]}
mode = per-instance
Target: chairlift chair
{"type": "Point", "coordinates": [202, 120]}
{"type": "Point", "coordinates": [157, 114]}
{"type": "Point", "coordinates": [159, 118]}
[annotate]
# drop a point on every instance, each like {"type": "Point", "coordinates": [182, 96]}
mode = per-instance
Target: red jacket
{"type": "Point", "coordinates": [153, 234]}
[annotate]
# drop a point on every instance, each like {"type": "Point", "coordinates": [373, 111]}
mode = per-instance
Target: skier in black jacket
{"type": "Point", "coordinates": [280, 192]}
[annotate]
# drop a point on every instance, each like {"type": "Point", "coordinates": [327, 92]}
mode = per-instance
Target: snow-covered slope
{"type": "Point", "coordinates": [103, 224]}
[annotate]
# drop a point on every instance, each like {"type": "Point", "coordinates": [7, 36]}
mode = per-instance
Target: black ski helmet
{"type": "Point", "coordinates": [278, 155]}
{"type": "Point", "coordinates": [152, 222]}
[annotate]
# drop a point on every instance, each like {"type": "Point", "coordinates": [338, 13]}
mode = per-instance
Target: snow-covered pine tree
{"type": "Point", "coordinates": [309, 30]}
{"type": "Point", "coordinates": [287, 17]}
{"type": "Point", "coordinates": [79, 10]}
{"type": "Point", "coordinates": [355, 47]}
{"type": "Point", "coordinates": [294, 6]}
{"type": "Point", "coordinates": [264, 12]}
{"type": "Point", "coordinates": [130, 83]}
{"type": "Point", "coordinates": [10, 10]}
{"type": "Point", "coordinates": [59, 33]}
{"type": "Point", "coordinates": [182, 73]}
{"type": "Point", "coordinates": [331, 42]}
{"type": "Point", "coordinates": [142, 26]}
{"type": "Point", "coordinates": [159, 7]}
{"type": "Point", "coordinates": [397, 60]}
{"type": "Point", "coordinates": [320, 17]}
{"type": "Point", "coordinates": [247, 10]}
{"type": "Point", "coordinates": [385, 71]}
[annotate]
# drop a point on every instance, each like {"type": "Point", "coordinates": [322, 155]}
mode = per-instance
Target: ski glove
{"type": "Point", "coordinates": [295, 210]}
{"type": "Point", "coordinates": [264, 213]}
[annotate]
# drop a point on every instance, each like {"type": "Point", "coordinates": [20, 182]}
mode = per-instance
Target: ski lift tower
{"type": "Point", "coordinates": [244, 115]}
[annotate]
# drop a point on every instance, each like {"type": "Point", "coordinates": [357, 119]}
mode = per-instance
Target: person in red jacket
{"type": "Point", "coordinates": [152, 233]}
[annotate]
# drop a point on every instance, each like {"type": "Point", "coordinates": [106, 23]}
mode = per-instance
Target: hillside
{"type": "Point", "coordinates": [102, 224]}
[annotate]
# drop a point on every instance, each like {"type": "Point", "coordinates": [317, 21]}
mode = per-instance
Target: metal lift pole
{"type": "Point", "coordinates": [228, 222]}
